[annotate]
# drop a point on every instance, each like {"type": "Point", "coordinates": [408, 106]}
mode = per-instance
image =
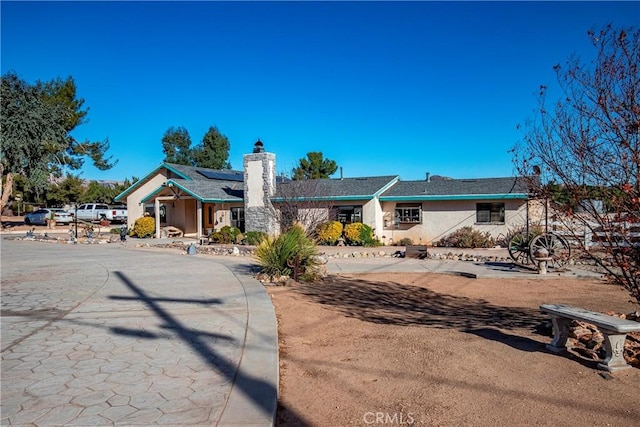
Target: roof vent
{"type": "Point", "coordinates": [258, 147]}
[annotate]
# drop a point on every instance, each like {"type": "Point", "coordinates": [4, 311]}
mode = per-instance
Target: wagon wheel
{"type": "Point", "coordinates": [519, 248]}
{"type": "Point", "coordinates": [559, 250]}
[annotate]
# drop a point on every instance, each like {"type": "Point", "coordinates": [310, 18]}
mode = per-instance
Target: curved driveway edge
{"type": "Point", "coordinates": [106, 335]}
{"type": "Point", "coordinates": [254, 396]}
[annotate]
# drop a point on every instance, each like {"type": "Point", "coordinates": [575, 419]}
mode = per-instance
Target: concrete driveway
{"type": "Point", "coordinates": [109, 335]}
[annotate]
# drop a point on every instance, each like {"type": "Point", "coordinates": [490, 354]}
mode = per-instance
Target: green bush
{"type": "Point", "coordinates": [144, 227]}
{"type": "Point", "coordinates": [230, 233]}
{"type": "Point", "coordinates": [254, 238]}
{"type": "Point", "coordinates": [468, 237]}
{"type": "Point", "coordinates": [279, 256]}
{"type": "Point", "coordinates": [227, 234]}
{"type": "Point", "coordinates": [405, 241]}
{"type": "Point", "coordinates": [216, 237]}
{"type": "Point", "coordinates": [114, 230]}
{"type": "Point", "coordinates": [360, 234]}
{"type": "Point", "coordinates": [329, 232]}
{"type": "Point", "coordinates": [367, 238]}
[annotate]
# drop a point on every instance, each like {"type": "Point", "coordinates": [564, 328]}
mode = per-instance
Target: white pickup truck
{"type": "Point", "coordinates": [99, 211]}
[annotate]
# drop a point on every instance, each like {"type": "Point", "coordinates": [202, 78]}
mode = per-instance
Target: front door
{"type": "Point", "coordinates": [209, 220]}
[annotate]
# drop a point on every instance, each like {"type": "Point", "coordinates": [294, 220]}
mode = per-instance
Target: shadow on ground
{"type": "Point", "coordinates": [397, 304]}
{"type": "Point", "coordinates": [257, 390]}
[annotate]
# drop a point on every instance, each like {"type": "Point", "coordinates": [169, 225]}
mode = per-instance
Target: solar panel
{"type": "Point", "coordinates": [222, 176]}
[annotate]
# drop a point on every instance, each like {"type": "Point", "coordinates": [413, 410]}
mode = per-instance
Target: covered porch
{"type": "Point", "coordinates": [196, 217]}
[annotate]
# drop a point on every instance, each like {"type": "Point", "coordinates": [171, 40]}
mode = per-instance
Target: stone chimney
{"type": "Point", "coordinates": [258, 147]}
{"type": "Point", "coordinates": [259, 187]}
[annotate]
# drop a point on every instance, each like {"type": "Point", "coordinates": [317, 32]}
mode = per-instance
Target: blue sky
{"type": "Point", "coordinates": [382, 88]}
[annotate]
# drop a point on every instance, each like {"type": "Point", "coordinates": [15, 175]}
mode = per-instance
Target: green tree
{"type": "Point", "coordinates": [586, 146]}
{"type": "Point", "coordinates": [176, 146]}
{"type": "Point", "coordinates": [314, 166]}
{"type": "Point", "coordinates": [122, 186]}
{"type": "Point", "coordinates": [213, 151]}
{"type": "Point", "coordinates": [68, 191]}
{"type": "Point", "coordinates": [99, 193]}
{"type": "Point", "coordinates": [35, 128]}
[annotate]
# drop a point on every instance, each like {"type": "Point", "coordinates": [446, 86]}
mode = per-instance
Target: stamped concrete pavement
{"type": "Point", "coordinates": [107, 335]}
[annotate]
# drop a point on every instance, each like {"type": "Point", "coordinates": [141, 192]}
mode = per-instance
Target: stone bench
{"type": "Point", "coordinates": [614, 330]}
{"type": "Point", "coordinates": [171, 231]}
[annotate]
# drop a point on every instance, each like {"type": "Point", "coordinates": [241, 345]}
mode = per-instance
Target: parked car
{"type": "Point", "coordinates": [99, 211]}
{"type": "Point", "coordinates": [41, 216]}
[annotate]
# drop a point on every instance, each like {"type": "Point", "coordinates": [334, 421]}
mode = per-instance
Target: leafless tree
{"type": "Point", "coordinates": [302, 202]}
{"type": "Point", "coordinates": [585, 150]}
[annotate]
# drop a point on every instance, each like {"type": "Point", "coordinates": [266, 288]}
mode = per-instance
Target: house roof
{"type": "Point", "coordinates": [217, 186]}
{"type": "Point", "coordinates": [188, 173]}
{"type": "Point", "coordinates": [212, 191]}
{"type": "Point", "coordinates": [457, 189]}
{"type": "Point", "coordinates": [363, 188]}
{"type": "Point", "coordinates": [205, 174]}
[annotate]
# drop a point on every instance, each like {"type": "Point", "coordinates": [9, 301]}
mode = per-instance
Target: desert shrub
{"type": "Point", "coordinates": [352, 233]}
{"type": "Point", "coordinates": [468, 237]}
{"type": "Point", "coordinates": [254, 237]}
{"type": "Point", "coordinates": [367, 238]}
{"type": "Point", "coordinates": [230, 233]}
{"type": "Point", "coordinates": [144, 227]}
{"type": "Point", "coordinates": [216, 237]}
{"type": "Point", "coordinates": [278, 256]}
{"type": "Point", "coordinates": [116, 230]}
{"type": "Point", "coordinates": [405, 241]}
{"type": "Point", "coordinates": [328, 233]}
{"type": "Point", "coordinates": [360, 234]}
{"type": "Point", "coordinates": [227, 234]}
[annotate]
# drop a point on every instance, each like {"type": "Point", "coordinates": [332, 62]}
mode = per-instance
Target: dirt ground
{"type": "Point", "coordinates": [432, 349]}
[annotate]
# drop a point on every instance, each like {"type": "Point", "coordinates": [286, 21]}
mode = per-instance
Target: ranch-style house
{"type": "Point", "coordinates": [199, 200]}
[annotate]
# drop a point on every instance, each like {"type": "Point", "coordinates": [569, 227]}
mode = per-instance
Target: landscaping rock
{"type": "Point", "coordinates": [586, 340]}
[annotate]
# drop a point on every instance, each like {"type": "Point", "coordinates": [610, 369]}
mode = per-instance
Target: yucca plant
{"type": "Point", "coordinates": [291, 254]}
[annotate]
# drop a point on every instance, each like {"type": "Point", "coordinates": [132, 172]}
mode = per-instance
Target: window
{"type": "Point", "coordinates": [237, 218]}
{"type": "Point", "coordinates": [490, 212]}
{"type": "Point", "coordinates": [406, 213]}
{"type": "Point", "coordinates": [348, 214]}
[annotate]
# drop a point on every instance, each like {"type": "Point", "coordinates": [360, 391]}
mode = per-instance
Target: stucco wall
{"type": "Point", "coordinates": [311, 217]}
{"type": "Point", "coordinates": [135, 208]}
{"type": "Point", "coordinates": [441, 218]}
{"type": "Point", "coordinates": [371, 211]}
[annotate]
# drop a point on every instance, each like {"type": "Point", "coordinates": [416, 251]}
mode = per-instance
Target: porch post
{"type": "Point", "coordinates": [199, 219]}
{"type": "Point", "coordinates": [156, 211]}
